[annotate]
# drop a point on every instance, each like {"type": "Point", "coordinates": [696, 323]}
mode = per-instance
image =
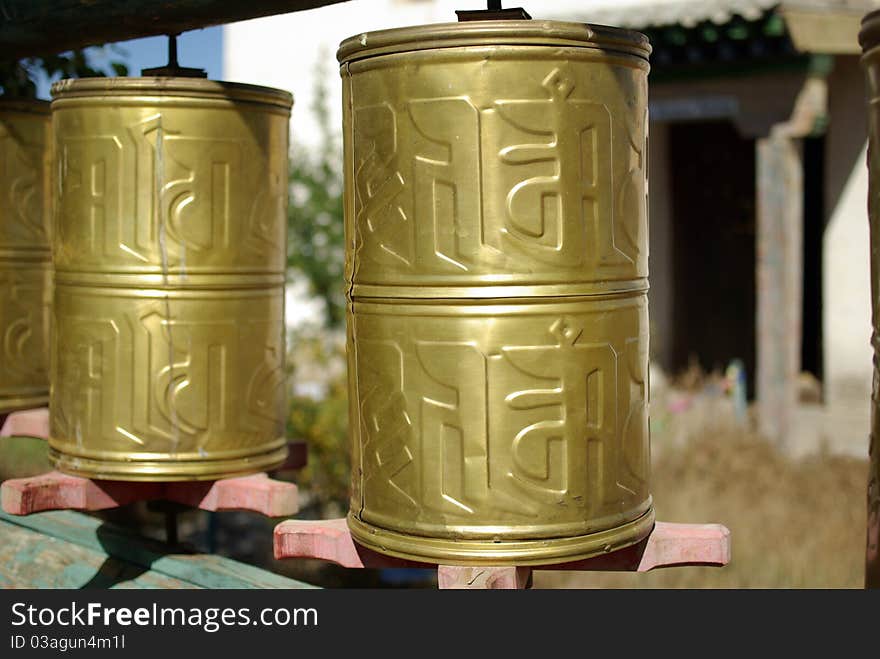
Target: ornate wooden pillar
{"type": "Point", "coordinates": [870, 39]}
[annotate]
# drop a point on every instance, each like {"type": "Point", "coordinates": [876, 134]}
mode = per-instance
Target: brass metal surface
{"type": "Point", "coordinates": [496, 244]}
{"type": "Point", "coordinates": [495, 170]}
{"type": "Point", "coordinates": [870, 41]}
{"type": "Point", "coordinates": [25, 260]}
{"type": "Point", "coordinates": [502, 421]}
{"type": "Point", "coordinates": [170, 249]}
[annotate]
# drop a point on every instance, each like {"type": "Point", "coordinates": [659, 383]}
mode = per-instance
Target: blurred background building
{"type": "Point", "coordinates": [759, 242]}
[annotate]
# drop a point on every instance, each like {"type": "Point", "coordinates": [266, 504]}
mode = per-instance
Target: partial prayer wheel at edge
{"type": "Point", "coordinates": [25, 257]}
{"type": "Point", "coordinates": [496, 258]}
{"type": "Point", "coordinates": [170, 254]}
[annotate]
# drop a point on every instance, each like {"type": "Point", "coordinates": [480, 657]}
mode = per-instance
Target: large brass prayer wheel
{"type": "Point", "coordinates": [497, 253]}
{"type": "Point", "coordinates": [25, 257]}
{"type": "Point", "coordinates": [870, 40]}
{"type": "Point", "coordinates": [170, 253]}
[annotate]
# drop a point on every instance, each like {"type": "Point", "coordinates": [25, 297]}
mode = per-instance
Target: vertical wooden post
{"type": "Point", "coordinates": [868, 38]}
{"type": "Point", "coordinates": [779, 282]}
{"type": "Point", "coordinates": [872, 545]}
{"type": "Point", "coordinates": [779, 256]}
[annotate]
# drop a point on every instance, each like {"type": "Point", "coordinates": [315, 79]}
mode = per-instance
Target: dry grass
{"type": "Point", "coordinates": [794, 523]}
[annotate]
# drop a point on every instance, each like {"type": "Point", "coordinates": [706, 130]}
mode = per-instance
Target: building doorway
{"type": "Point", "coordinates": [712, 181]}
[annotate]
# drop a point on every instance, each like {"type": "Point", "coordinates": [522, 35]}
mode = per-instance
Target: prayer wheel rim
{"type": "Point", "coordinates": [472, 552]}
{"type": "Point", "coordinates": [169, 470]}
{"type": "Point", "coordinates": [69, 89]}
{"type": "Point", "coordinates": [493, 33]}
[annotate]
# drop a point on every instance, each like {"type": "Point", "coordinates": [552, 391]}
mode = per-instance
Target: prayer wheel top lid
{"type": "Point", "coordinates": [172, 86]}
{"type": "Point", "coordinates": [869, 35]}
{"type": "Point", "coordinates": [493, 33]}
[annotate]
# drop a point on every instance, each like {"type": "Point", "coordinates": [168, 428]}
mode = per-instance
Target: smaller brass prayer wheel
{"type": "Point", "coordinates": [496, 236]}
{"type": "Point", "coordinates": [25, 257]}
{"type": "Point", "coordinates": [170, 255]}
{"type": "Point", "coordinates": [869, 38]}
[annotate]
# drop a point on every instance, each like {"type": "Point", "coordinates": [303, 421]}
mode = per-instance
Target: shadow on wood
{"type": "Point", "coordinates": [47, 27]}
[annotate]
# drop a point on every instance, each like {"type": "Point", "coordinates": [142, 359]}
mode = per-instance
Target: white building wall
{"type": "Point", "coordinates": [846, 260]}
{"type": "Point", "coordinates": [847, 295]}
{"type": "Point", "coordinates": [289, 50]}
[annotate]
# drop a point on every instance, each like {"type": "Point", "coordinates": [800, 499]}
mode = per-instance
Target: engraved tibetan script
{"type": "Point", "coordinates": [128, 375]}
{"type": "Point", "coordinates": [562, 455]}
{"type": "Point", "coordinates": [185, 193]}
{"type": "Point", "coordinates": [449, 186]}
{"type": "Point", "coordinates": [563, 421]}
{"type": "Point", "coordinates": [21, 192]}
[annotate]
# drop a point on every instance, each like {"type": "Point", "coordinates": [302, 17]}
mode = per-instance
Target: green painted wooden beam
{"type": "Point", "coordinates": [45, 27]}
{"type": "Point", "coordinates": [65, 549]}
{"type": "Point", "coordinates": [29, 559]}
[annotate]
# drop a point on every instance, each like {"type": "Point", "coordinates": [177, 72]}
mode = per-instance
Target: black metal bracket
{"type": "Point", "coordinates": [173, 69]}
{"type": "Point", "coordinates": [493, 12]}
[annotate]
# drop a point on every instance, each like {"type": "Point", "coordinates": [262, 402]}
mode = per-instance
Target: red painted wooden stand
{"type": "Point", "coordinates": [30, 423]}
{"type": "Point", "coordinates": [669, 545]}
{"type": "Point", "coordinates": [57, 491]}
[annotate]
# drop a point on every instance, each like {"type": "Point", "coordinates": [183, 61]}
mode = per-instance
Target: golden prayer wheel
{"type": "Point", "coordinates": [497, 263]}
{"type": "Point", "coordinates": [25, 256]}
{"type": "Point", "coordinates": [170, 253]}
{"type": "Point", "coordinates": [870, 41]}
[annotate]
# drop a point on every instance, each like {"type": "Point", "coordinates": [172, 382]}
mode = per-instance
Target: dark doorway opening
{"type": "Point", "coordinates": [814, 231]}
{"type": "Point", "coordinates": [712, 180]}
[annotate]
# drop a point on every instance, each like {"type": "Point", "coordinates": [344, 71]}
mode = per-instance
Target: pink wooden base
{"type": "Point", "coordinates": [669, 545]}
{"type": "Point", "coordinates": [29, 423]}
{"type": "Point", "coordinates": [57, 491]}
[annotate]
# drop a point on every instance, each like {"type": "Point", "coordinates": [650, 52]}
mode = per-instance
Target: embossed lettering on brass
{"type": "Point", "coordinates": [553, 390]}
{"type": "Point", "coordinates": [170, 250]}
{"type": "Point", "coordinates": [25, 267]}
{"type": "Point", "coordinates": [497, 263]}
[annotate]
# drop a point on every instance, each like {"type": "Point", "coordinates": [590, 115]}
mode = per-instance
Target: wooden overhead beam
{"type": "Point", "coordinates": [818, 31]}
{"type": "Point", "coordinates": [45, 27]}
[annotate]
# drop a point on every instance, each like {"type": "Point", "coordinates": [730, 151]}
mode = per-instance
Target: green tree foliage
{"type": "Point", "coordinates": [316, 253]}
{"type": "Point", "coordinates": [18, 77]}
{"type": "Point", "coordinates": [321, 421]}
{"type": "Point", "coordinates": [315, 228]}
